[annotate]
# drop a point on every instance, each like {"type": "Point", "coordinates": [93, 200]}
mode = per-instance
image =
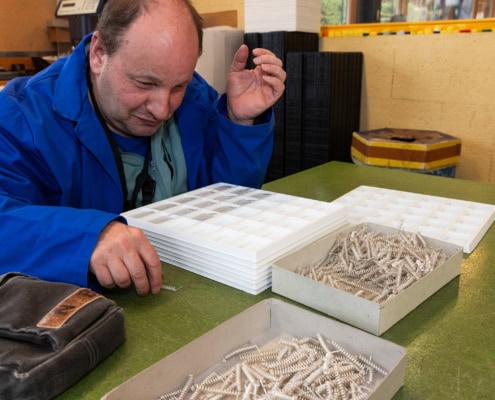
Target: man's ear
{"type": "Point", "coordinates": [97, 53]}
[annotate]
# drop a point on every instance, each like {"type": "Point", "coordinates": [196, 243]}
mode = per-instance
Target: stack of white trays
{"type": "Point", "coordinates": [282, 15]}
{"type": "Point", "coordinates": [232, 234]}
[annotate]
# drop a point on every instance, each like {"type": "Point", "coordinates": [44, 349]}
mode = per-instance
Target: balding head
{"type": "Point", "coordinates": [118, 15]}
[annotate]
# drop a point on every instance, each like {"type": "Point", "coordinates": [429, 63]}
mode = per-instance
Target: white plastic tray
{"type": "Point", "coordinates": [455, 221]}
{"type": "Point", "coordinates": [232, 233]}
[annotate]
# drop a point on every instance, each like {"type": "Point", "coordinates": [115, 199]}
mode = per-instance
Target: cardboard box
{"type": "Point", "coordinates": [260, 324]}
{"type": "Point", "coordinates": [58, 35]}
{"type": "Point", "coordinates": [372, 317]}
{"type": "Point", "coordinates": [220, 18]}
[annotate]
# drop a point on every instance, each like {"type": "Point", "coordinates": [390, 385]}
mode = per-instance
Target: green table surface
{"type": "Point", "coordinates": [450, 338]}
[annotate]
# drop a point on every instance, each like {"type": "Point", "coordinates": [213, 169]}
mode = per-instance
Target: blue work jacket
{"type": "Point", "coordinates": [59, 183]}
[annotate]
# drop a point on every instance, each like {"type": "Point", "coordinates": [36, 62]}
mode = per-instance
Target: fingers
{"type": "Point", "coordinates": [123, 256]}
{"type": "Point", "coordinates": [153, 266]}
{"type": "Point", "coordinates": [103, 275]}
{"type": "Point", "coordinates": [271, 70]}
{"type": "Point", "coordinates": [272, 75]}
{"type": "Point", "coordinates": [240, 59]}
{"type": "Point", "coordinates": [263, 56]}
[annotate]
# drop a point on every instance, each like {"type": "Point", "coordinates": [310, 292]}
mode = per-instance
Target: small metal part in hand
{"type": "Point", "coordinates": [171, 288]}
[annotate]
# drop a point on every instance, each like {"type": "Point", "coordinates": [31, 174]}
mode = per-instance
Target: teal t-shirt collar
{"type": "Point", "coordinates": [167, 165]}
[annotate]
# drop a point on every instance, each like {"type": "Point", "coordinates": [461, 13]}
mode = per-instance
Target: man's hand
{"type": "Point", "coordinates": [250, 92]}
{"type": "Point", "coordinates": [123, 256]}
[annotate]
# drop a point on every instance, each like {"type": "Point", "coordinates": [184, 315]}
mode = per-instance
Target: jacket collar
{"type": "Point", "coordinates": [71, 101]}
{"type": "Point", "coordinates": [71, 93]}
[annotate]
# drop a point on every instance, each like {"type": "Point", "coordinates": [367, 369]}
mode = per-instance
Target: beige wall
{"type": "Point", "coordinates": [438, 82]}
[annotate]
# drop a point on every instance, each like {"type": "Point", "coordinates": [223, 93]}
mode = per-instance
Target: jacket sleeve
{"type": "Point", "coordinates": [43, 232]}
{"type": "Point", "coordinates": [217, 149]}
{"type": "Point", "coordinates": [49, 242]}
{"type": "Point", "coordinates": [242, 153]}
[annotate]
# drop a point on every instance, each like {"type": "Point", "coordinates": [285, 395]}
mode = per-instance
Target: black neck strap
{"type": "Point", "coordinates": [144, 182]}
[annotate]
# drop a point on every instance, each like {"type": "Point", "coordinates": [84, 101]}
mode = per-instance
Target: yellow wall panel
{"type": "Point", "coordinates": [433, 82]}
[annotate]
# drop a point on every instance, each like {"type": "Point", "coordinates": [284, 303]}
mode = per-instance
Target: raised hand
{"type": "Point", "coordinates": [252, 91]}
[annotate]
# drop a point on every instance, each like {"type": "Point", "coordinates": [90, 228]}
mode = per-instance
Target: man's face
{"type": "Point", "coordinates": [141, 85]}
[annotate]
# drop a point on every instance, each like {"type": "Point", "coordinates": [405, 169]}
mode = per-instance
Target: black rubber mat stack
{"type": "Point", "coordinates": [320, 109]}
{"type": "Point", "coordinates": [281, 43]}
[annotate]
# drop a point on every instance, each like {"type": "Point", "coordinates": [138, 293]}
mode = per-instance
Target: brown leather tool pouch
{"type": "Point", "coordinates": [51, 335]}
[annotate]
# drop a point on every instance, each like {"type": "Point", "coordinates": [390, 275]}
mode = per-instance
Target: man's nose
{"type": "Point", "coordinates": [158, 104]}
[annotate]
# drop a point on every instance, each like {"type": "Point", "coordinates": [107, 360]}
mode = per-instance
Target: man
{"type": "Point", "coordinates": [123, 121]}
